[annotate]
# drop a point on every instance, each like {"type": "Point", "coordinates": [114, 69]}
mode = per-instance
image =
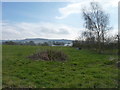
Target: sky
{"type": "Point", "coordinates": [51, 20]}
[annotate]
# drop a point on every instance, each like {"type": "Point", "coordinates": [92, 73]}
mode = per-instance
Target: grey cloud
{"type": "Point", "coordinates": [46, 30]}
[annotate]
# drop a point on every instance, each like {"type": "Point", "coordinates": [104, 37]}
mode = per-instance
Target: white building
{"type": "Point", "coordinates": [68, 44]}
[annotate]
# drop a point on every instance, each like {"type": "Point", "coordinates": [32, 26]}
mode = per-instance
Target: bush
{"type": "Point", "coordinates": [110, 62]}
{"type": "Point", "coordinates": [49, 55]}
{"type": "Point", "coordinates": [9, 43]}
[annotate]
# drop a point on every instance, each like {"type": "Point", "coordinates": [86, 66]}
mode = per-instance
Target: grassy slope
{"type": "Point", "coordinates": [84, 69]}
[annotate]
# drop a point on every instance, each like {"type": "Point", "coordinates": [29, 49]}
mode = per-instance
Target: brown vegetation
{"type": "Point", "coordinates": [49, 55]}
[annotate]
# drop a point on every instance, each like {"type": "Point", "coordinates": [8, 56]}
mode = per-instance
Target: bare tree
{"type": "Point", "coordinates": [118, 36]}
{"type": "Point", "coordinates": [97, 21]}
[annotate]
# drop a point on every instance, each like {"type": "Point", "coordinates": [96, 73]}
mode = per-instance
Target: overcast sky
{"type": "Point", "coordinates": [52, 20]}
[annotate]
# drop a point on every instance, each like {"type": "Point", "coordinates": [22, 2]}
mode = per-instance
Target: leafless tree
{"type": "Point", "coordinates": [118, 36]}
{"type": "Point", "coordinates": [97, 21]}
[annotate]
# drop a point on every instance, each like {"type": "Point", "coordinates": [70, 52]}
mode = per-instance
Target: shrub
{"type": "Point", "coordinates": [49, 55]}
{"type": "Point", "coordinates": [110, 62]}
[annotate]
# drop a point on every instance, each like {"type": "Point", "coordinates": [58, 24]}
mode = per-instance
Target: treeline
{"type": "Point", "coordinates": [93, 44]}
{"type": "Point", "coordinates": [32, 43]}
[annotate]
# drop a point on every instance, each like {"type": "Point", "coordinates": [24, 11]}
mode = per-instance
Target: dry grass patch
{"type": "Point", "coordinates": [49, 55]}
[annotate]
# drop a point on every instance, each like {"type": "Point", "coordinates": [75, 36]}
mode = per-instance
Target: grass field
{"type": "Point", "coordinates": [83, 69]}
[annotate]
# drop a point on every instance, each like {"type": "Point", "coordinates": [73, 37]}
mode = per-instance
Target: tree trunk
{"type": "Point", "coordinates": [102, 41]}
{"type": "Point", "coordinates": [99, 44]}
{"type": "Point", "coordinates": [118, 47]}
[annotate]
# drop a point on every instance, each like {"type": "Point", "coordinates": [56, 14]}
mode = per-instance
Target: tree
{"type": "Point", "coordinates": [45, 44]}
{"type": "Point", "coordinates": [31, 43]}
{"type": "Point", "coordinates": [9, 43]}
{"type": "Point", "coordinates": [96, 22]}
{"type": "Point", "coordinates": [118, 36]}
{"type": "Point", "coordinates": [89, 36]}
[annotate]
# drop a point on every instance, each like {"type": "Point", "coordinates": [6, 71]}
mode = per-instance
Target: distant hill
{"type": "Point", "coordinates": [40, 40]}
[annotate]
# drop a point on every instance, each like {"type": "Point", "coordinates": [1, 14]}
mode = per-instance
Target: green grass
{"type": "Point", "coordinates": [83, 69]}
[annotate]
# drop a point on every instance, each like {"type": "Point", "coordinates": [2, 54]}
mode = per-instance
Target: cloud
{"type": "Point", "coordinates": [69, 9]}
{"type": "Point", "coordinates": [13, 31]}
{"type": "Point", "coordinates": [76, 7]}
{"type": "Point", "coordinates": [37, 30]}
{"type": "Point", "coordinates": [112, 32]}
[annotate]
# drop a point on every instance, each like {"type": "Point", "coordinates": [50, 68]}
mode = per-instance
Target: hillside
{"type": "Point", "coordinates": [41, 40]}
{"type": "Point", "coordinates": [83, 69]}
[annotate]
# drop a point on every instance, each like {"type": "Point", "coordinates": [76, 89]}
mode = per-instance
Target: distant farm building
{"type": "Point", "coordinates": [68, 44]}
